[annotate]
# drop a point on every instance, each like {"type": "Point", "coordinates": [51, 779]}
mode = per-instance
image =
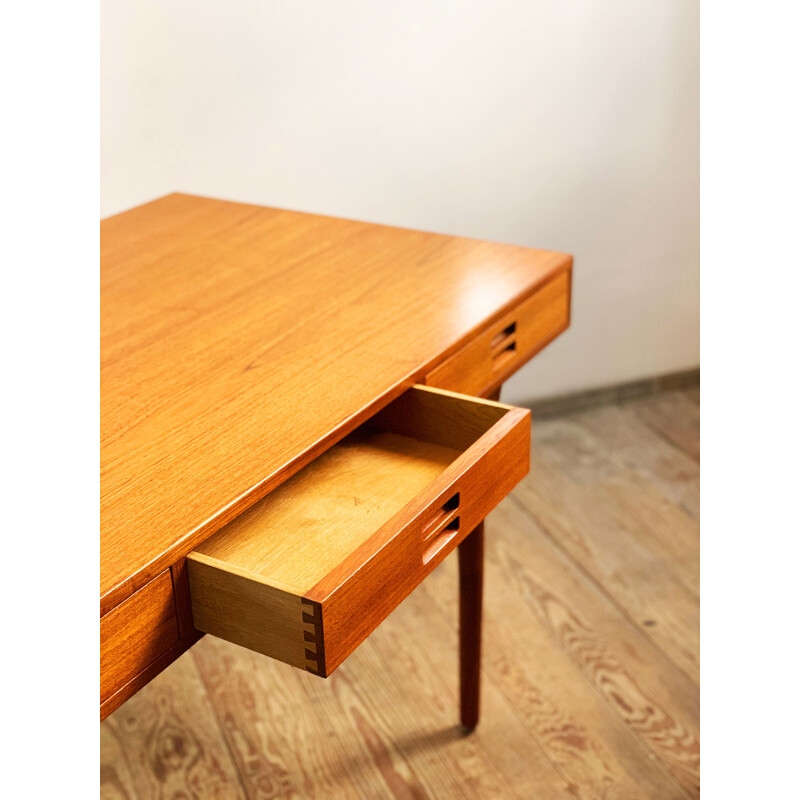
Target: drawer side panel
{"type": "Point", "coordinates": [228, 603]}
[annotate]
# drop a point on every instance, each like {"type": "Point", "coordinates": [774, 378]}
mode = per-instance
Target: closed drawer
{"type": "Point", "coordinates": [484, 363]}
{"type": "Point", "coordinates": [307, 573]}
{"type": "Point", "coordinates": [135, 633]}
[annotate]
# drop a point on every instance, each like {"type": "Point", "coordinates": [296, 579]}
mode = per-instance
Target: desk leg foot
{"type": "Point", "coordinates": [470, 590]}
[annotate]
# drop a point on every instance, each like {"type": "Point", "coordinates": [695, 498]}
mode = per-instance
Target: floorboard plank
{"type": "Point", "coordinates": [168, 740]}
{"type": "Point", "coordinates": [116, 780]}
{"type": "Point", "coordinates": [657, 464]}
{"type": "Point", "coordinates": [676, 416]}
{"type": "Point", "coordinates": [638, 546]}
{"type": "Point", "coordinates": [656, 700]}
{"type": "Point", "coordinates": [597, 751]}
{"type": "Point", "coordinates": [285, 734]}
{"type": "Point", "coordinates": [500, 739]}
{"type": "Point", "coordinates": [383, 725]}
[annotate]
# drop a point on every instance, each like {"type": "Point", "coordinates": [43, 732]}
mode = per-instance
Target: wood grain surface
{"type": "Point", "coordinates": [234, 350]}
{"type": "Point", "coordinates": [644, 550]}
{"type": "Point", "coordinates": [169, 743]}
{"type": "Point", "coordinates": [304, 529]}
{"type": "Point", "coordinates": [583, 695]}
{"type": "Point", "coordinates": [136, 633]}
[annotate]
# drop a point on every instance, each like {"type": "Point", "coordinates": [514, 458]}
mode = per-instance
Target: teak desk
{"type": "Point", "coordinates": [295, 430]}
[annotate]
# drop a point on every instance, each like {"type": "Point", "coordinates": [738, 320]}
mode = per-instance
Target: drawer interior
{"type": "Point", "coordinates": [306, 527]}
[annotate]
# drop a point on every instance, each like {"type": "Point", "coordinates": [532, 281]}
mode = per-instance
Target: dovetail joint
{"type": "Point", "coordinates": [312, 635]}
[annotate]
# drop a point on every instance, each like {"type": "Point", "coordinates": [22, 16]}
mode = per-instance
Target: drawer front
{"type": "Point", "coordinates": [363, 590]}
{"type": "Point", "coordinates": [135, 633]}
{"type": "Point", "coordinates": [456, 456]}
{"type": "Point", "coordinates": [484, 363]}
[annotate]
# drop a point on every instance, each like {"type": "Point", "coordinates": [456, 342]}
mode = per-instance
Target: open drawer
{"type": "Point", "coordinates": [307, 573]}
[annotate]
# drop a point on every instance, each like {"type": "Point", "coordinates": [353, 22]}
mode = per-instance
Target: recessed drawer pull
{"type": "Point", "coordinates": [504, 346]}
{"type": "Point", "coordinates": [441, 517]}
{"type": "Point", "coordinates": [500, 340]}
{"type": "Point", "coordinates": [445, 534]}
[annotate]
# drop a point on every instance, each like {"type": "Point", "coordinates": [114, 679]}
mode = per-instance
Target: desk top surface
{"type": "Point", "coordinates": [239, 342]}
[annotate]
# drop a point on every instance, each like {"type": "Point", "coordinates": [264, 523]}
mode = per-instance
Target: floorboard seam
{"type": "Point", "coordinates": [663, 436]}
{"type": "Point", "coordinates": [220, 727]}
{"type": "Point", "coordinates": [600, 588]}
{"type": "Point", "coordinates": [131, 771]}
{"type": "Point", "coordinates": [484, 669]}
{"type": "Point", "coordinates": [632, 731]}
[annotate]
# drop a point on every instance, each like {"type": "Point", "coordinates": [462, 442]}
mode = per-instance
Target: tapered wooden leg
{"type": "Point", "coordinates": [470, 603]}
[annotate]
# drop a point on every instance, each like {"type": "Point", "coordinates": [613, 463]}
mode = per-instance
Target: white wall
{"type": "Point", "coordinates": [569, 125]}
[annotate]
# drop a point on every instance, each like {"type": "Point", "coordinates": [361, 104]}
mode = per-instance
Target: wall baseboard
{"type": "Point", "coordinates": [578, 401]}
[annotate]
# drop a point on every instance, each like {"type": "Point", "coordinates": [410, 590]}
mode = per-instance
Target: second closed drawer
{"type": "Point", "coordinates": [485, 362]}
{"type": "Point", "coordinates": [307, 573]}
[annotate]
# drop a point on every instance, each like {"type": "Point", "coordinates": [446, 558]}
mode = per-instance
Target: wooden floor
{"type": "Point", "coordinates": [591, 654]}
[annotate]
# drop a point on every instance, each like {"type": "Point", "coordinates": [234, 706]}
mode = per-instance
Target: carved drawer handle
{"type": "Point", "coordinates": [442, 527]}
{"type": "Point", "coordinates": [504, 345]}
